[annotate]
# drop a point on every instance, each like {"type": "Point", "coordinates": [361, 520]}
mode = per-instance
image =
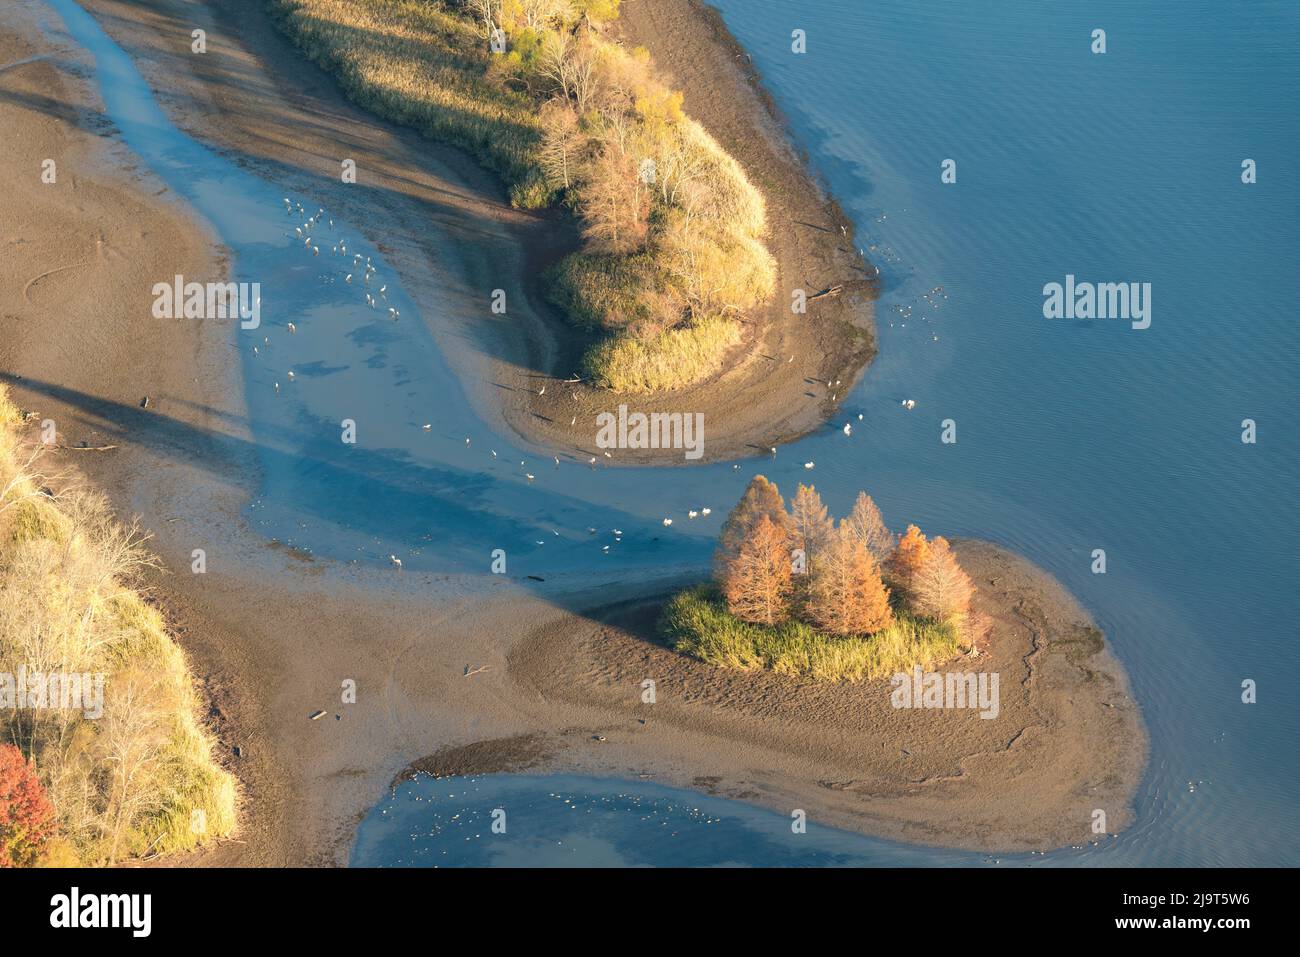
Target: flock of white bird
{"type": "Point", "coordinates": [303, 231]}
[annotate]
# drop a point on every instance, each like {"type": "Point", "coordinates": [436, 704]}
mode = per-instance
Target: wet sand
{"type": "Point", "coordinates": [272, 634]}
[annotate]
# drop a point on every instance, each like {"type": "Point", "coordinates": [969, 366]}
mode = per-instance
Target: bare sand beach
{"type": "Point", "coordinates": [271, 634]}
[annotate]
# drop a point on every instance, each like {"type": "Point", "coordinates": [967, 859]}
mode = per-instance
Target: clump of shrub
{"type": "Point", "coordinates": [673, 229]}
{"type": "Point", "coordinates": [140, 777]}
{"type": "Point", "coordinates": [797, 593]}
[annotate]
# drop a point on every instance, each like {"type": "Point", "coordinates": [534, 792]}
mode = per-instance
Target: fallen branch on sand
{"type": "Point", "coordinates": [825, 293]}
{"type": "Point", "coordinates": [469, 673]}
{"type": "Point", "coordinates": [83, 448]}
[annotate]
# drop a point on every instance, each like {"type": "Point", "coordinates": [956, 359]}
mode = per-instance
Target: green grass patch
{"type": "Point", "coordinates": [696, 623]}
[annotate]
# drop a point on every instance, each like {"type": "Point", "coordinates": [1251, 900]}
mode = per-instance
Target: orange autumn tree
{"type": "Point", "coordinates": [761, 498]}
{"type": "Point", "coordinates": [941, 590]}
{"type": "Point", "coordinates": [813, 527]}
{"type": "Point", "coordinates": [908, 557]}
{"type": "Point", "coordinates": [869, 526]}
{"type": "Point", "coordinates": [757, 581]}
{"type": "Point", "coordinates": [26, 815]}
{"type": "Point", "coordinates": [846, 595]}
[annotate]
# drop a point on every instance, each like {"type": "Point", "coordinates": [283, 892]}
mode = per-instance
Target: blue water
{"type": "Point", "coordinates": [1071, 435]}
{"type": "Point", "coordinates": [568, 821]}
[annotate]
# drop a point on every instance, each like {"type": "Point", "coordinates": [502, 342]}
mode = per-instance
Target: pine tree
{"type": "Point", "coordinates": [813, 528]}
{"type": "Point", "coordinates": [906, 560]}
{"type": "Point", "coordinates": [870, 528]}
{"type": "Point", "coordinates": [757, 582]}
{"type": "Point", "coordinates": [845, 594]}
{"type": "Point", "coordinates": [760, 498]}
{"type": "Point", "coordinates": [940, 588]}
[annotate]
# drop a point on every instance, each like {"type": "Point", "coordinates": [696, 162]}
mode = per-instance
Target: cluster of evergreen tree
{"type": "Point", "coordinates": [773, 564]}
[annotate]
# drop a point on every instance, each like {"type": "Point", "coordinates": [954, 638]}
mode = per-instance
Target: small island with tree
{"type": "Point", "coordinates": [799, 593]}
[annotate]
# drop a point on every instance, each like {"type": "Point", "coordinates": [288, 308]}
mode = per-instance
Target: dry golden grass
{"type": "Point", "coordinates": [688, 352]}
{"type": "Point", "coordinates": [565, 114]}
{"type": "Point", "coordinates": [141, 778]}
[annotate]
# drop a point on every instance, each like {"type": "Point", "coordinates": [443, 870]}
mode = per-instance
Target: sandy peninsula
{"type": "Point", "coordinates": [271, 634]}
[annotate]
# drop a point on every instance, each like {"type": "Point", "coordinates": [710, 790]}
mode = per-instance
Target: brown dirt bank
{"type": "Point", "coordinates": [1068, 737]}
{"type": "Point", "coordinates": [759, 399]}
{"type": "Point", "coordinates": [445, 224]}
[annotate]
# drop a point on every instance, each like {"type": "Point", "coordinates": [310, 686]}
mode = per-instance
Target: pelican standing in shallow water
{"type": "Point", "coordinates": [395, 560]}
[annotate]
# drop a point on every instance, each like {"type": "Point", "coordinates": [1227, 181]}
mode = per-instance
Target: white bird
{"type": "Point", "coordinates": [392, 313]}
{"type": "Point", "coordinates": [467, 441]}
{"type": "Point", "coordinates": [573, 421]}
{"type": "Point", "coordinates": [395, 560]}
{"type": "Point", "coordinates": [291, 376]}
{"type": "Point", "coordinates": [859, 416]}
{"type": "Point", "coordinates": [383, 288]}
{"type": "Point", "coordinates": [617, 531]}
{"type": "Point", "coordinates": [668, 521]}
{"type": "Point", "coordinates": [348, 278]}
{"type": "Point", "coordinates": [529, 476]}
{"type": "Point", "coordinates": [808, 465]}
{"type": "Point", "coordinates": [557, 460]}
{"type": "Point", "coordinates": [277, 387]}
{"type": "Point", "coordinates": [848, 428]}
{"type": "Point", "coordinates": [692, 513]}
{"type": "Point", "coordinates": [315, 250]}
{"type": "Point", "coordinates": [494, 452]}
{"type": "Point", "coordinates": [705, 511]}
{"type": "Point", "coordinates": [298, 230]}
{"type": "Point", "coordinates": [428, 426]}
{"type": "Point", "coordinates": [592, 460]}
{"type": "Point", "coordinates": [909, 403]}
{"type": "Point", "coordinates": [292, 328]}
{"type": "Point", "coordinates": [608, 456]}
